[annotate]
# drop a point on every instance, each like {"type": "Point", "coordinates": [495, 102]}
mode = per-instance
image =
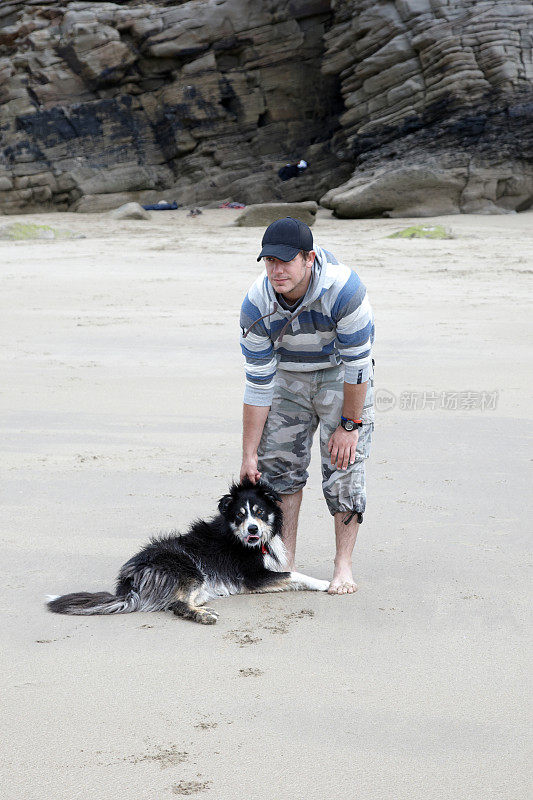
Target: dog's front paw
{"type": "Point", "coordinates": [207, 618]}
{"type": "Point", "coordinates": [322, 586]}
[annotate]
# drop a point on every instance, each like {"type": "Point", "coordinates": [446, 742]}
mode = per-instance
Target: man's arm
{"type": "Point", "coordinates": [253, 422]}
{"type": "Point", "coordinates": [355, 332]}
{"type": "Point", "coordinates": [260, 369]}
{"type": "Point", "coordinates": [354, 400]}
{"type": "Point", "coordinates": [342, 444]}
{"type": "Point", "coordinates": [354, 325]}
{"type": "Point", "coordinates": [258, 351]}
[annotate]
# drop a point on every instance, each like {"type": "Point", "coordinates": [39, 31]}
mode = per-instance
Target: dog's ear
{"type": "Point", "coordinates": [224, 503]}
{"type": "Point", "coordinates": [269, 492]}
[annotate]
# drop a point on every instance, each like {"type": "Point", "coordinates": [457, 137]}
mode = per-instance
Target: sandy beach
{"type": "Point", "coordinates": [120, 409]}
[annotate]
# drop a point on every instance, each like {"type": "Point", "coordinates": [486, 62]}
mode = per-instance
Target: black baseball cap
{"type": "Point", "coordinates": [284, 239]}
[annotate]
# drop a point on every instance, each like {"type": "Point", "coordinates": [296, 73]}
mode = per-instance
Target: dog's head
{"type": "Point", "coordinates": [252, 512]}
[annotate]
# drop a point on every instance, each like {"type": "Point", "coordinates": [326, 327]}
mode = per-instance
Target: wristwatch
{"type": "Point", "coordinates": [351, 424]}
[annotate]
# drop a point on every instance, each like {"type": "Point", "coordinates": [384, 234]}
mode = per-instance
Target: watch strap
{"type": "Point", "coordinates": [355, 423]}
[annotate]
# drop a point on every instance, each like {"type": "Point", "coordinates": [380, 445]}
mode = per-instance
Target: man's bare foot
{"type": "Point", "coordinates": [342, 581]}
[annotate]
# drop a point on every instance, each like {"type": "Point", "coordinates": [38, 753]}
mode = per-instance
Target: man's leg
{"type": "Point", "coordinates": [343, 489]}
{"type": "Point", "coordinates": [345, 536]}
{"type": "Point", "coordinates": [290, 505]}
{"type": "Point", "coordinates": [285, 448]}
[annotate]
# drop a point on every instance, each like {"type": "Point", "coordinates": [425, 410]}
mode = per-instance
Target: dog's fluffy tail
{"type": "Point", "coordinates": [97, 603]}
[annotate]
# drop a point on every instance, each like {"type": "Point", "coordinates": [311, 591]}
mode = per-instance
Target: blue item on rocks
{"type": "Point", "coordinates": [161, 206]}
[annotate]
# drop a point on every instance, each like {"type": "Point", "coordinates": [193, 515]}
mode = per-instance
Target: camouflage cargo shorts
{"type": "Point", "coordinates": [301, 401]}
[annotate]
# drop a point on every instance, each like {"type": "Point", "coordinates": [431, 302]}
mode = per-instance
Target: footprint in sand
{"type": "Point", "coordinates": [279, 626]}
{"type": "Point", "coordinates": [165, 756]}
{"type": "Point", "coordinates": [251, 672]}
{"type": "Point", "coordinates": [243, 636]}
{"type": "Point", "coordinates": [49, 641]}
{"type": "Point", "coordinates": [190, 787]}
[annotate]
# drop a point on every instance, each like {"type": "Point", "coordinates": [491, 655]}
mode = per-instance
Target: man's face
{"type": "Point", "coordinates": [290, 278]}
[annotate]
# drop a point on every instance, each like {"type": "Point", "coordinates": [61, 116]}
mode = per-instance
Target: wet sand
{"type": "Point", "coordinates": [120, 406]}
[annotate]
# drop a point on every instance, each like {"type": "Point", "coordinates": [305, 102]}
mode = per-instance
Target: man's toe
{"type": "Point", "coordinates": [346, 587]}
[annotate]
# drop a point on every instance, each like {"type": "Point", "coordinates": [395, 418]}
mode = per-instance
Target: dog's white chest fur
{"type": "Point", "coordinates": [278, 548]}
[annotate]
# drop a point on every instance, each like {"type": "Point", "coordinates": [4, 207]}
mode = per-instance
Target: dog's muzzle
{"type": "Point", "coordinates": [252, 535]}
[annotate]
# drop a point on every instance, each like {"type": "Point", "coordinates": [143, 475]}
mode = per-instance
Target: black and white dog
{"type": "Point", "coordinates": [238, 551]}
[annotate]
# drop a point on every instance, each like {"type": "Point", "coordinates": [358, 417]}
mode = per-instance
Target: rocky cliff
{"type": "Point", "coordinates": [405, 107]}
{"type": "Point", "coordinates": [195, 101]}
{"type": "Point", "coordinates": [439, 106]}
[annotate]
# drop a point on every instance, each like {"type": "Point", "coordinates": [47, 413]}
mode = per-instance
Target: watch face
{"type": "Point", "coordinates": [348, 425]}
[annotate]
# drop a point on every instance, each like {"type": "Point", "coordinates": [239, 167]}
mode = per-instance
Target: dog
{"type": "Point", "coordinates": [239, 550]}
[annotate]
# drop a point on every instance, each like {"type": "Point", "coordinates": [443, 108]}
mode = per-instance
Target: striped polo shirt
{"type": "Point", "coordinates": [333, 324]}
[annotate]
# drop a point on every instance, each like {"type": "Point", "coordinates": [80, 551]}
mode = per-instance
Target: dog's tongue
{"type": "Point", "coordinates": [252, 537]}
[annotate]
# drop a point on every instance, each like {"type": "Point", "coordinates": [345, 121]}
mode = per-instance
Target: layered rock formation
{"type": "Point", "coordinates": [101, 103]}
{"type": "Point", "coordinates": [439, 107]}
{"type": "Point", "coordinates": [404, 107]}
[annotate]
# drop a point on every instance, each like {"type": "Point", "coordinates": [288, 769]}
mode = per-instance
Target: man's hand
{"type": "Point", "coordinates": [249, 469]}
{"type": "Point", "coordinates": [342, 446]}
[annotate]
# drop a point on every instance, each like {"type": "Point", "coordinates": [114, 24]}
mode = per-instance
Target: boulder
{"type": "Point", "coordinates": [97, 203]}
{"type": "Point", "coordinates": [130, 211]}
{"type": "Point", "coordinates": [417, 190]}
{"type": "Point", "coordinates": [446, 182]}
{"type": "Point", "coordinates": [262, 214]}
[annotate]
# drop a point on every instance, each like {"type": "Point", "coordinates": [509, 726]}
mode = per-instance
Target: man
{"type": "Point", "coordinates": [307, 331]}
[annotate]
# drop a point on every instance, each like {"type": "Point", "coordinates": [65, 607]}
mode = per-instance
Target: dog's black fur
{"type": "Point", "coordinates": [215, 557]}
